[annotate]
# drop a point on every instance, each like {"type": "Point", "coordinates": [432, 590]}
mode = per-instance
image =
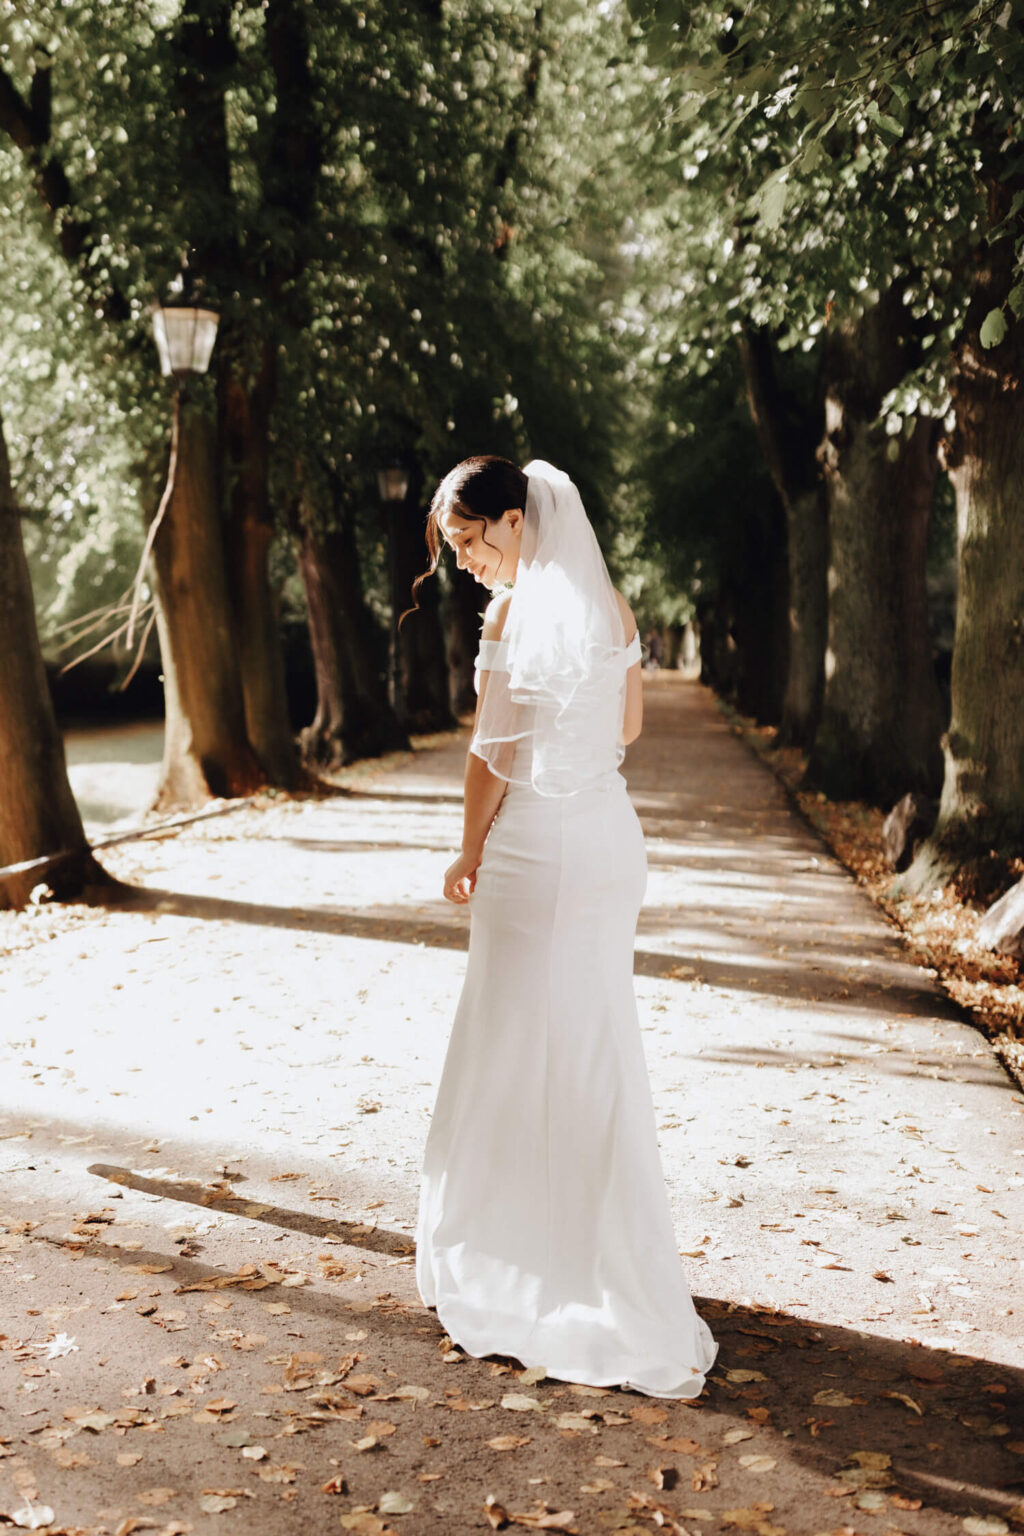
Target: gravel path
{"type": "Point", "coordinates": [236, 1068]}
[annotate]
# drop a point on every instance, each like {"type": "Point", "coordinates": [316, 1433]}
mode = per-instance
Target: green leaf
{"type": "Point", "coordinates": [771, 200]}
{"type": "Point", "coordinates": [813, 156]}
{"type": "Point", "coordinates": [993, 328]}
{"type": "Point", "coordinates": [1016, 300]}
{"type": "Point", "coordinates": [882, 120]}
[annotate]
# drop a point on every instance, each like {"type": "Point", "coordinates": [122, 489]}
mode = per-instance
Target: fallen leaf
{"type": "Point", "coordinates": [734, 1436]}
{"type": "Point", "coordinates": [757, 1463]}
{"type": "Point", "coordinates": [394, 1503]}
{"type": "Point", "coordinates": [752, 1518]}
{"type": "Point", "coordinates": [985, 1525]}
{"type": "Point", "coordinates": [900, 1501]}
{"type": "Point", "coordinates": [64, 1457]}
{"type": "Point", "coordinates": [608, 1461]}
{"type": "Point", "coordinates": [704, 1477]}
{"type": "Point", "coordinates": [508, 1442]}
{"type": "Point", "coordinates": [925, 1370]}
{"type": "Point", "coordinates": [156, 1496]}
{"type": "Point", "coordinates": [216, 1503]}
{"type": "Point", "coordinates": [336, 1484]}
{"type": "Point", "coordinates": [362, 1386]}
{"type": "Point", "coordinates": [248, 1278]}
{"type": "Point", "coordinates": [646, 1413]}
{"type": "Point", "coordinates": [497, 1515]}
{"type": "Point", "coordinates": [234, 1438]}
{"type": "Point", "coordinates": [59, 1346]}
{"type": "Point", "coordinates": [31, 1518]}
{"type": "Point", "coordinates": [679, 1445]}
{"type": "Point", "coordinates": [543, 1519]}
{"type": "Point", "coordinates": [831, 1399]}
{"type": "Point", "coordinates": [901, 1397]}
{"type": "Point", "coordinates": [410, 1394]}
{"type": "Point", "coordinates": [286, 1473]}
{"type": "Point", "coordinates": [95, 1420]}
{"type": "Point", "coordinates": [875, 1461]}
{"type": "Point", "coordinates": [254, 1452]}
{"type": "Point", "coordinates": [744, 1376]}
{"type": "Point", "coordinates": [518, 1403]}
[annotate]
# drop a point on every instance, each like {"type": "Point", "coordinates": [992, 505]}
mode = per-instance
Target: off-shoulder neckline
{"type": "Point", "coordinates": [503, 640]}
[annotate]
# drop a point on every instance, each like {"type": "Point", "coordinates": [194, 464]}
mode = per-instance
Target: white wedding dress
{"type": "Point", "coordinates": [544, 1227]}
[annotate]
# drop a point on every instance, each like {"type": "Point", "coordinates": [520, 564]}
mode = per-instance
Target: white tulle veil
{"type": "Point", "coordinates": [551, 703]}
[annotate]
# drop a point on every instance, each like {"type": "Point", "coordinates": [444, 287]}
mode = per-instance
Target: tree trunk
{"type": "Point", "coordinates": [249, 532]}
{"type": "Point", "coordinates": [464, 601]}
{"type": "Point", "coordinates": [353, 717]}
{"type": "Point", "coordinates": [206, 750]}
{"type": "Point", "coordinates": [878, 737]}
{"type": "Point", "coordinates": [38, 814]}
{"type": "Point", "coordinates": [423, 665]}
{"type": "Point", "coordinates": [981, 812]}
{"type": "Point", "coordinates": [789, 437]}
{"type": "Point", "coordinates": [755, 600]}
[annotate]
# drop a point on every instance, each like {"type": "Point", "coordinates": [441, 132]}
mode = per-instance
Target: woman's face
{"type": "Point", "coordinates": [488, 551]}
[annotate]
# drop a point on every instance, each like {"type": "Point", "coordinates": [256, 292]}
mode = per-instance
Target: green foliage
{"type": "Point", "coordinates": [75, 443]}
{"type": "Point", "coordinates": [456, 290]}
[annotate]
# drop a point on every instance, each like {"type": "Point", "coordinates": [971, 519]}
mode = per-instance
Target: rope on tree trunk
{"type": "Point", "coordinates": [123, 837]}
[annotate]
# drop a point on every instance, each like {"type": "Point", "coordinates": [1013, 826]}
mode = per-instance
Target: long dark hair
{"type": "Point", "coordinates": [481, 489]}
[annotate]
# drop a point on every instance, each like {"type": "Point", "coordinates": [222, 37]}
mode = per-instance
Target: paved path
{"type": "Point", "coordinates": [114, 771]}
{"type": "Point", "coordinates": [238, 1068]}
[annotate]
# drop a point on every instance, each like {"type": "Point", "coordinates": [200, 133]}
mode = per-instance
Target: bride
{"type": "Point", "coordinates": [544, 1228]}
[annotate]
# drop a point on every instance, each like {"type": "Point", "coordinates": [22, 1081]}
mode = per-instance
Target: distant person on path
{"type": "Point", "coordinates": [544, 1227]}
{"type": "Point", "coordinates": [654, 650]}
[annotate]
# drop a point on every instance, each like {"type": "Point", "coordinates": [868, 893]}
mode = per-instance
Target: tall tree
{"type": "Point", "coordinates": [208, 750]}
{"type": "Point", "coordinates": [789, 430]}
{"type": "Point", "coordinates": [878, 735]}
{"type": "Point", "coordinates": [38, 814]}
{"type": "Point", "coordinates": [921, 106]}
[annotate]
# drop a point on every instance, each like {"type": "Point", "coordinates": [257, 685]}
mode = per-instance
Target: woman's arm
{"type": "Point", "coordinates": [483, 789]}
{"type": "Point", "coordinates": [483, 794]}
{"type": "Point", "coordinates": [633, 710]}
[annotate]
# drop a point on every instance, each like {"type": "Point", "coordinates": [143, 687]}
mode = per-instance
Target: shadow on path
{"type": "Point", "coordinates": [820, 975]}
{"type": "Point", "coordinates": [356, 1234]}
{"type": "Point", "coordinates": [807, 1423]}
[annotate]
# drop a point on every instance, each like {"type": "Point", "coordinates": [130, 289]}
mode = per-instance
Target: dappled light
{"type": "Point", "coordinates": [582, 385]}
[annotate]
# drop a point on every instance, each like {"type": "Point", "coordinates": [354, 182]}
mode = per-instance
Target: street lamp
{"type": "Point", "coordinates": [393, 483]}
{"type": "Point", "coordinates": [393, 487]}
{"type": "Point", "coordinates": [184, 334]}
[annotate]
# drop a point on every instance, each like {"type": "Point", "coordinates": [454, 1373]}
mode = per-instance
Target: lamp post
{"type": "Point", "coordinates": [184, 334]}
{"type": "Point", "coordinates": [393, 487]}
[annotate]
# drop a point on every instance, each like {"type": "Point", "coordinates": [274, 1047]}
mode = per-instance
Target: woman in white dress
{"type": "Point", "coordinates": [544, 1228]}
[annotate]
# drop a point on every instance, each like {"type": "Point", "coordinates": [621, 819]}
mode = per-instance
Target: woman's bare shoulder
{"type": "Point", "coordinates": [495, 614]}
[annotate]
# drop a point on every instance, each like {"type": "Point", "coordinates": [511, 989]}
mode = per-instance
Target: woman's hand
{"type": "Point", "coordinates": [460, 878]}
